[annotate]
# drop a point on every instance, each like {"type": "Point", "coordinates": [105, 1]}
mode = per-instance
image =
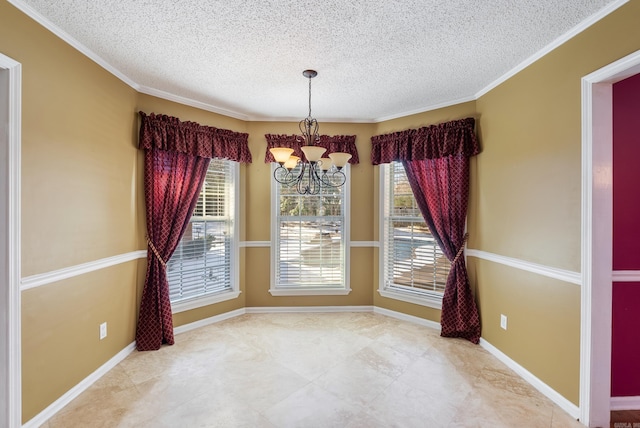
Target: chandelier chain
{"type": "Point", "coordinates": [309, 96]}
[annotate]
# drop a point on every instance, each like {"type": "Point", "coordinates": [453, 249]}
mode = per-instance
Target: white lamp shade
{"type": "Point", "coordinates": [291, 162]}
{"type": "Point", "coordinates": [340, 159]}
{"type": "Point", "coordinates": [281, 154]}
{"type": "Point", "coordinates": [325, 164]}
{"type": "Point", "coordinates": [313, 153]}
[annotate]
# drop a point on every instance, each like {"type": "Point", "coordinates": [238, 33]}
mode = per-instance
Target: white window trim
{"type": "Point", "coordinates": [411, 297]}
{"type": "Point", "coordinates": [418, 298]}
{"type": "Point", "coordinates": [234, 292]}
{"type": "Point", "coordinates": [312, 291]}
{"type": "Point", "coordinates": [210, 299]}
{"type": "Point", "coordinates": [309, 291]}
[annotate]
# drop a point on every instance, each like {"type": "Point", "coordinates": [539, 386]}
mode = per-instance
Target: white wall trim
{"type": "Point", "coordinates": [29, 11]}
{"type": "Point", "coordinates": [309, 291]}
{"type": "Point", "coordinates": [405, 317]}
{"type": "Point", "coordinates": [36, 16]}
{"type": "Point", "coordinates": [425, 109]}
{"type": "Point", "coordinates": [545, 389]}
{"type": "Point", "coordinates": [626, 276]}
{"type": "Point", "coordinates": [365, 244]}
{"type": "Point", "coordinates": [200, 301]}
{"type": "Point", "coordinates": [78, 389]}
{"type": "Point", "coordinates": [553, 45]}
{"type": "Point", "coordinates": [597, 237]}
{"type": "Point", "coordinates": [38, 280]}
{"type": "Point", "coordinates": [434, 302]}
{"type": "Point", "coordinates": [69, 272]}
{"type": "Point", "coordinates": [208, 321]}
{"type": "Point", "coordinates": [267, 244]}
{"type": "Point", "coordinates": [309, 309]}
{"type": "Point", "coordinates": [625, 403]}
{"type": "Point", "coordinates": [255, 244]}
{"type": "Point", "coordinates": [189, 102]}
{"type": "Point", "coordinates": [551, 272]}
{"type": "Point", "coordinates": [10, 374]}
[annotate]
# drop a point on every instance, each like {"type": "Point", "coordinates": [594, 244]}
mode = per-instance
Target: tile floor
{"type": "Point", "coordinates": [312, 370]}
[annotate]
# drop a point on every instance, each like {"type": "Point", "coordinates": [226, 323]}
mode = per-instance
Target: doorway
{"type": "Point", "coordinates": [10, 125]}
{"type": "Point", "coordinates": [597, 238]}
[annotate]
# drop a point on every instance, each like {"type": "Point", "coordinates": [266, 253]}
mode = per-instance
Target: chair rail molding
{"type": "Point", "coordinates": [549, 271]}
{"type": "Point", "coordinates": [40, 279]}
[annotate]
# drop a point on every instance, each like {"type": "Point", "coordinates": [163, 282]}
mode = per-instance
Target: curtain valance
{"type": "Point", "coordinates": [431, 142]}
{"type": "Point", "coordinates": [333, 143]}
{"type": "Point", "coordinates": [170, 134]}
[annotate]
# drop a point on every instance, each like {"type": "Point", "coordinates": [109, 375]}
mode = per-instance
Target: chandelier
{"type": "Point", "coordinates": [311, 174]}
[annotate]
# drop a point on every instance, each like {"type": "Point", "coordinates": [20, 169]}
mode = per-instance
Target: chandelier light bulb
{"type": "Point", "coordinates": [325, 164]}
{"type": "Point", "coordinates": [340, 159]}
{"type": "Point", "coordinates": [291, 162]}
{"type": "Point", "coordinates": [281, 154]}
{"type": "Point", "coordinates": [313, 153]}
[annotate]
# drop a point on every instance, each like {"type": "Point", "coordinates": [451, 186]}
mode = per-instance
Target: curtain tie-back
{"type": "Point", "coordinates": [461, 250]}
{"type": "Point", "coordinates": [155, 251]}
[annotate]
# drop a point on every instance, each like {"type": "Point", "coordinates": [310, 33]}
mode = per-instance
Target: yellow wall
{"type": "Point", "coordinates": [526, 200]}
{"type": "Point", "coordinates": [82, 200]}
{"type": "Point", "coordinates": [80, 203]}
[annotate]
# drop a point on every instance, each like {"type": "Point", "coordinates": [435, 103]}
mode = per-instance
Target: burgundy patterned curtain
{"type": "Point", "coordinates": [436, 159]}
{"type": "Point", "coordinates": [333, 143]}
{"type": "Point", "coordinates": [177, 155]}
{"type": "Point", "coordinates": [172, 183]}
{"type": "Point", "coordinates": [169, 133]}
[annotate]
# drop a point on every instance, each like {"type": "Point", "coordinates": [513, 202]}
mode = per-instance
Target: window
{"type": "Point", "coordinates": [310, 241]}
{"type": "Point", "coordinates": [202, 270]}
{"type": "Point", "coordinates": [413, 267]}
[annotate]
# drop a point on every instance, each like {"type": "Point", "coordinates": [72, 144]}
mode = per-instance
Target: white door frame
{"type": "Point", "coordinates": [597, 238]}
{"type": "Point", "coordinates": [10, 140]}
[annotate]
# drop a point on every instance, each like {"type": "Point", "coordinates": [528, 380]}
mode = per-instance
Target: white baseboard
{"type": "Point", "coordinates": [545, 389]}
{"type": "Point", "coordinates": [65, 399]}
{"type": "Point", "coordinates": [405, 317]}
{"type": "Point", "coordinates": [310, 309]}
{"type": "Point", "coordinates": [625, 403]}
{"type": "Point", "coordinates": [207, 321]}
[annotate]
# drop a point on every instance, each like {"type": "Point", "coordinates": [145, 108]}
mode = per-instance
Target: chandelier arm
{"type": "Point", "coordinates": [301, 186]}
{"type": "Point", "coordinates": [340, 179]}
{"type": "Point", "coordinates": [315, 178]}
{"type": "Point", "coordinates": [283, 176]}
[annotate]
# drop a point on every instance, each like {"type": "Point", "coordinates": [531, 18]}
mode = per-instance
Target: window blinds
{"type": "Point", "coordinates": [413, 260]}
{"type": "Point", "coordinates": [201, 264]}
{"type": "Point", "coordinates": [310, 246]}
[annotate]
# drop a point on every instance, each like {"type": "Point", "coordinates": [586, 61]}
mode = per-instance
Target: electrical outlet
{"type": "Point", "coordinates": [503, 321]}
{"type": "Point", "coordinates": [103, 330]}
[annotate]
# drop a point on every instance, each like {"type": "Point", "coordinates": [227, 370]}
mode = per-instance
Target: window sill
{"type": "Point", "coordinates": [310, 291]}
{"type": "Point", "coordinates": [417, 299]}
{"type": "Point", "coordinates": [198, 302]}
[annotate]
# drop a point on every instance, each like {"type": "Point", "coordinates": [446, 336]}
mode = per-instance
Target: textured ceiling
{"type": "Point", "coordinates": [376, 59]}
